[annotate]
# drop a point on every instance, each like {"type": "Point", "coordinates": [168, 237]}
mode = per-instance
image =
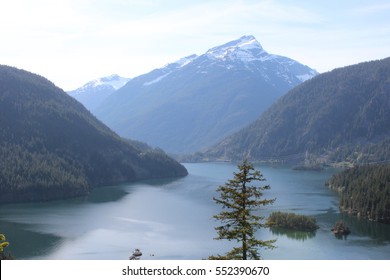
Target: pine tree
{"type": "Point", "coordinates": [239, 199]}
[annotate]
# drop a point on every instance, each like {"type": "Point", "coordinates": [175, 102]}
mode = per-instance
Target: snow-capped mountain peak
{"type": "Point", "coordinates": [114, 81]}
{"type": "Point", "coordinates": [248, 51]}
{"type": "Point", "coordinates": [248, 42]}
{"type": "Point", "coordinates": [191, 103]}
{"type": "Point", "coordinates": [93, 93]}
{"type": "Point", "coordinates": [246, 48]}
{"type": "Point", "coordinates": [244, 52]}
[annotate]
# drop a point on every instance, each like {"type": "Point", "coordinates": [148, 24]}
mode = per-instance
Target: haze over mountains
{"type": "Point", "coordinates": [190, 104]}
{"type": "Point", "coordinates": [342, 115]}
{"type": "Point", "coordinates": [51, 147]}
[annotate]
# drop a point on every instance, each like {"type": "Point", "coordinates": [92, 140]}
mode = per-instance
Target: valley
{"type": "Point", "coordinates": [190, 104]}
{"type": "Point", "coordinates": [137, 160]}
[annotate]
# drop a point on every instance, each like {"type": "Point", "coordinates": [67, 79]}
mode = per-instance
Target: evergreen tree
{"type": "Point", "coordinates": [365, 191]}
{"type": "Point", "coordinates": [239, 199]}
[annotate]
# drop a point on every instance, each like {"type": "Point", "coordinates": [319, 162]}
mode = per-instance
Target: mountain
{"type": "Point", "coordinates": [51, 147]}
{"type": "Point", "coordinates": [194, 102]}
{"type": "Point", "coordinates": [93, 93]}
{"type": "Point", "coordinates": [342, 115]}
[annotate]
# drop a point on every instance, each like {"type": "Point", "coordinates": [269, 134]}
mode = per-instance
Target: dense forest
{"type": "Point", "coordinates": [365, 191]}
{"type": "Point", "coordinates": [51, 147]}
{"type": "Point", "coordinates": [342, 115]}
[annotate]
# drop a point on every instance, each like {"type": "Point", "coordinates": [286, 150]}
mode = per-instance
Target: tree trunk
{"type": "Point", "coordinates": [244, 257]}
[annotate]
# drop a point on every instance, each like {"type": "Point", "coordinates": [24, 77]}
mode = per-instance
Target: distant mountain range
{"type": "Point", "coordinates": [93, 93]}
{"type": "Point", "coordinates": [192, 103]}
{"type": "Point", "coordinates": [51, 147]}
{"type": "Point", "coordinates": [339, 116]}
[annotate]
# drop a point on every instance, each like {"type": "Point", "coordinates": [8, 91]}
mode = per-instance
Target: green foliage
{"type": "Point", "coordinates": [3, 245]}
{"type": "Point", "coordinates": [51, 147]}
{"type": "Point", "coordinates": [239, 199]}
{"type": "Point", "coordinates": [292, 221]}
{"type": "Point", "coordinates": [365, 191]}
{"type": "Point", "coordinates": [339, 116]}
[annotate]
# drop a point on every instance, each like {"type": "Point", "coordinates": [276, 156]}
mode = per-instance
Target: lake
{"type": "Point", "coordinates": [172, 219]}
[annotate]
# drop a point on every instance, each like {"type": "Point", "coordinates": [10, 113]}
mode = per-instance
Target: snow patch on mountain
{"type": "Point", "coordinates": [114, 81]}
{"type": "Point", "coordinates": [185, 60]}
{"type": "Point", "coordinates": [156, 80]}
{"type": "Point", "coordinates": [171, 67]}
{"type": "Point", "coordinates": [307, 76]}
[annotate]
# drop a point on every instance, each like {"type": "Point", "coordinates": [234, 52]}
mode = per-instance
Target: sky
{"type": "Point", "coordinates": [71, 42]}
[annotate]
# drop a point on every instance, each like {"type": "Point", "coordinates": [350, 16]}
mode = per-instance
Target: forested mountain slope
{"type": "Point", "coordinates": [342, 115]}
{"type": "Point", "coordinates": [365, 191]}
{"type": "Point", "coordinates": [51, 147]}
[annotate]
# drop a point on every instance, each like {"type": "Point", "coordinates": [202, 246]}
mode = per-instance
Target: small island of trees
{"type": "Point", "coordinates": [340, 228]}
{"type": "Point", "coordinates": [292, 221]}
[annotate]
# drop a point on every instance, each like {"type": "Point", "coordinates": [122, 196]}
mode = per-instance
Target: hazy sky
{"type": "Point", "coordinates": [73, 41]}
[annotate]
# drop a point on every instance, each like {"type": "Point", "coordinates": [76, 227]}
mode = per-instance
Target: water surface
{"type": "Point", "coordinates": [172, 219]}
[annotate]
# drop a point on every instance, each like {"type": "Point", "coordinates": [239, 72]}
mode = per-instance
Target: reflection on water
{"type": "Point", "coordinates": [106, 194]}
{"type": "Point", "coordinates": [293, 234]}
{"type": "Point", "coordinates": [363, 227]}
{"type": "Point", "coordinates": [341, 236]}
{"type": "Point", "coordinates": [362, 230]}
{"type": "Point", "coordinates": [23, 239]}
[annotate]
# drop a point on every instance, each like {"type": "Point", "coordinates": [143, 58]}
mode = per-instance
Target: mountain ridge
{"type": "Point", "coordinates": [192, 103]}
